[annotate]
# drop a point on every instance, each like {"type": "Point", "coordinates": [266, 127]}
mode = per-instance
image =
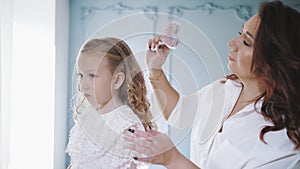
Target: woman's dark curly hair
{"type": "Point", "coordinates": [276, 63]}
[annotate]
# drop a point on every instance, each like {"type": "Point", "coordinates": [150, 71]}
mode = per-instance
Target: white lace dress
{"type": "Point", "coordinates": [85, 149]}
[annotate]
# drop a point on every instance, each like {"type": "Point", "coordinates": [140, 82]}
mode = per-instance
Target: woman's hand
{"type": "Point", "coordinates": [157, 53]}
{"type": "Point", "coordinates": [157, 146]}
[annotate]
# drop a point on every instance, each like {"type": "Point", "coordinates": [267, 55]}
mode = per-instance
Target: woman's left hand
{"type": "Point", "coordinates": [157, 146]}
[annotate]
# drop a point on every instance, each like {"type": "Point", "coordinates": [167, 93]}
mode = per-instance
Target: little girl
{"type": "Point", "coordinates": [111, 97]}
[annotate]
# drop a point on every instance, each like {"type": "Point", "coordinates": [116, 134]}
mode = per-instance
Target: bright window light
{"type": "Point", "coordinates": [33, 83]}
{"type": "Point", "coordinates": [32, 98]}
{"type": "Point", "coordinates": [27, 84]}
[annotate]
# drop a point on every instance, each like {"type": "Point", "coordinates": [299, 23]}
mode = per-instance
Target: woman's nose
{"type": "Point", "coordinates": [232, 45]}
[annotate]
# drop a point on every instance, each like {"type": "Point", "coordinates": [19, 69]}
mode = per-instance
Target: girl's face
{"type": "Point", "coordinates": [95, 79]}
{"type": "Point", "coordinates": [240, 55]}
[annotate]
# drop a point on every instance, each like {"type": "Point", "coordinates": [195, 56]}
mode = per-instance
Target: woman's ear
{"type": "Point", "coordinates": [118, 80]}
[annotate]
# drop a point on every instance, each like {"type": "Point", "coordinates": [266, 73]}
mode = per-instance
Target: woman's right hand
{"type": "Point", "coordinates": [155, 59]}
{"type": "Point", "coordinates": [157, 146]}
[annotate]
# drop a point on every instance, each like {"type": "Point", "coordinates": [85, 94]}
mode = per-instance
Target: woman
{"type": "Point", "coordinates": [249, 120]}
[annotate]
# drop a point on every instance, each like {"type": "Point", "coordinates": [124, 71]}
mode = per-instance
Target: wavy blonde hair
{"type": "Point", "coordinates": [121, 59]}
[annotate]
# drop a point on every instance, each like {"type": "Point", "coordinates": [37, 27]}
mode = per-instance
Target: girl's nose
{"type": "Point", "coordinates": [84, 86]}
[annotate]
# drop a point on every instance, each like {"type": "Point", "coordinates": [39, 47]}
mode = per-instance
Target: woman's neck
{"type": "Point", "coordinates": [250, 92]}
{"type": "Point", "coordinates": [251, 89]}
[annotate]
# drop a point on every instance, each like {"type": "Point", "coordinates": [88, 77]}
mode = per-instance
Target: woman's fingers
{"type": "Point", "coordinates": [153, 43]}
{"type": "Point", "coordinates": [155, 145]}
{"type": "Point", "coordinates": [149, 44]}
{"type": "Point", "coordinates": [156, 44]}
{"type": "Point", "coordinates": [157, 53]}
{"type": "Point", "coordinates": [147, 135]}
{"type": "Point", "coordinates": [156, 40]}
{"type": "Point", "coordinates": [151, 159]}
{"type": "Point", "coordinates": [150, 143]}
{"type": "Point", "coordinates": [162, 50]}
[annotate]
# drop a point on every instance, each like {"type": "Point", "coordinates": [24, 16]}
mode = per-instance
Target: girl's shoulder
{"type": "Point", "coordinates": [122, 118]}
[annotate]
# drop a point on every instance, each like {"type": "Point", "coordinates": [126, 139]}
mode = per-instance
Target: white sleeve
{"type": "Point", "coordinates": [296, 163]}
{"type": "Point", "coordinates": [183, 114]}
{"type": "Point", "coordinates": [195, 108]}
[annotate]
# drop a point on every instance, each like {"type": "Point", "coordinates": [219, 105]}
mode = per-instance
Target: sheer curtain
{"type": "Point", "coordinates": [5, 80]}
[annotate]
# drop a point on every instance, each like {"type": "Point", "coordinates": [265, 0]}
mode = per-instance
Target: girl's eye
{"type": "Point", "coordinates": [92, 75]}
{"type": "Point", "coordinates": [79, 75]}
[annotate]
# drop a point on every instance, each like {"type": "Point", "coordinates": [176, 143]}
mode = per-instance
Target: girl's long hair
{"type": "Point", "coordinates": [133, 91]}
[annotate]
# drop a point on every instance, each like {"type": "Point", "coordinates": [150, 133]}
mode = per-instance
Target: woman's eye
{"type": "Point", "coordinates": [246, 43]}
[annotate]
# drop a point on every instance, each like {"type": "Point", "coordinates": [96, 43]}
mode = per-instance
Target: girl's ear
{"type": "Point", "coordinates": [118, 80]}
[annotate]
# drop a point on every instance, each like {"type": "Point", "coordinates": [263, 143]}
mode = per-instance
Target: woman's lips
{"type": "Point", "coordinates": [230, 58]}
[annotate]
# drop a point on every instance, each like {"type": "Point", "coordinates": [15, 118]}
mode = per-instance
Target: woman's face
{"type": "Point", "coordinates": [95, 79]}
{"type": "Point", "coordinates": [240, 55]}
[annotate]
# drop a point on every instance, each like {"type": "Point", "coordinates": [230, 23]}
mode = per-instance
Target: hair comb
{"type": "Point", "coordinates": [170, 37]}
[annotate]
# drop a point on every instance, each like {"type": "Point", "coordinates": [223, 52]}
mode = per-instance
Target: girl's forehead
{"type": "Point", "coordinates": [93, 61]}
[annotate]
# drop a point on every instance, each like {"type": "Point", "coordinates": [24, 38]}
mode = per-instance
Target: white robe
{"type": "Point", "coordinates": [238, 145]}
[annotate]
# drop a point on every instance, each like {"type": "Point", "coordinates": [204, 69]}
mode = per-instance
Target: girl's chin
{"type": "Point", "coordinates": [93, 104]}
